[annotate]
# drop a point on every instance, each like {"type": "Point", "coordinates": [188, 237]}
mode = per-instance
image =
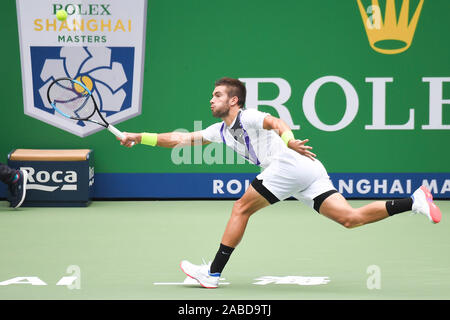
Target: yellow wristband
{"type": "Point", "coordinates": [149, 139]}
{"type": "Point", "coordinates": [287, 136]}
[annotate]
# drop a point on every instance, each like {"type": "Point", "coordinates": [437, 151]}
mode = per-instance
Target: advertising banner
{"type": "Point", "coordinates": [101, 43]}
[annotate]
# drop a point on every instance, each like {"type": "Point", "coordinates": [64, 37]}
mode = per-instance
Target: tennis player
{"type": "Point", "coordinates": [17, 183]}
{"type": "Point", "coordinates": [289, 168]}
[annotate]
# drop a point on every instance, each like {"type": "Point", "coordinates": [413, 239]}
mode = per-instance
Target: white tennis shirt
{"type": "Point", "coordinates": [247, 137]}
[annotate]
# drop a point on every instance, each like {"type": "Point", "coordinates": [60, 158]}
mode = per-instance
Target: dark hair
{"type": "Point", "coordinates": [235, 88]}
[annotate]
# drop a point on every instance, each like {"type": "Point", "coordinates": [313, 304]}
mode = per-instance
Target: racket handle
{"type": "Point", "coordinates": [117, 133]}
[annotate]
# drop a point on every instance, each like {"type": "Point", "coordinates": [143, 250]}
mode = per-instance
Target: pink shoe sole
{"type": "Point", "coordinates": [435, 212]}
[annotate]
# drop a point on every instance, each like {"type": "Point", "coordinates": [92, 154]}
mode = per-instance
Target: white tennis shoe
{"type": "Point", "coordinates": [201, 274]}
{"type": "Point", "coordinates": [423, 204]}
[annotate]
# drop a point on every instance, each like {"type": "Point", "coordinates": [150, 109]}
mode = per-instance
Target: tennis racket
{"type": "Point", "coordinates": [72, 99]}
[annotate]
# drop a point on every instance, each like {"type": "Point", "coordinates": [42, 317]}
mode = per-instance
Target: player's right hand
{"type": "Point", "coordinates": [130, 140]}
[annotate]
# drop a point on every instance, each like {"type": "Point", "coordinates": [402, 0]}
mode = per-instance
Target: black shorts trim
{"type": "Point", "coordinates": [321, 198]}
{"type": "Point", "coordinates": [262, 190]}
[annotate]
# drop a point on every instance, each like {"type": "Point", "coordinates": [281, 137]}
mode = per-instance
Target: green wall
{"type": "Point", "coordinates": [189, 44]}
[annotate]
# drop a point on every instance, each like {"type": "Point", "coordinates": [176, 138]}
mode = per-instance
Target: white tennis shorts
{"type": "Point", "coordinates": [291, 174]}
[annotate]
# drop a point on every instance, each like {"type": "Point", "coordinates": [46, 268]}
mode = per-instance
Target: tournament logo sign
{"type": "Point", "coordinates": [101, 43]}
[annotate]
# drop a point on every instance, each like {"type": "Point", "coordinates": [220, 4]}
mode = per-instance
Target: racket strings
{"type": "Point", "coordinates": [71, 99]}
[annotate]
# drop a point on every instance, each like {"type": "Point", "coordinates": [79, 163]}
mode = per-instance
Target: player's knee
{"type": "Point", "coordinates": [351, 219]}
{"type": "Point", "coordinates": [241, 208]}
{"type": "Point", "coordinates": [348, 224]}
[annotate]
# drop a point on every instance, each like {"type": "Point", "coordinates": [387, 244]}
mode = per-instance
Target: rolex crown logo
{"type": "Point", "coordinates": [390, 36]}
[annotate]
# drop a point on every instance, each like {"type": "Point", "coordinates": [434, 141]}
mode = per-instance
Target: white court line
{"type": "Point", "coordinates": [187, 281]}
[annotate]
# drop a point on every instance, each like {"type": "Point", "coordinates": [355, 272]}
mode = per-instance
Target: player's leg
{"type": "Point", "coordinates": [249, 203]}
{"type": "Point", "coordinates": [7, 174]}
{"type": "Point", "coordinates": [336, 207]}
{"type": "Point", "coordinates": [243, 208]}
{"type": "Point", "coordinates": [325, 199]}
{"type": "Point", "coordinates": [16, 181]}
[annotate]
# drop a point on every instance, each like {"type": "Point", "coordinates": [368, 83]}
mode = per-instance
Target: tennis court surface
{"type": "Point", "coordinates": [132, 250]}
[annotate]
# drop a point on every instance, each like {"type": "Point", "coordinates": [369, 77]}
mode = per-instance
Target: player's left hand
{"type": "Point", "coordinates": [300, 147]}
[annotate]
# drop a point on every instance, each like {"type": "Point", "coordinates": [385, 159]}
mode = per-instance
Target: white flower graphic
{"type": "Point", "coordinates": [108, 77]}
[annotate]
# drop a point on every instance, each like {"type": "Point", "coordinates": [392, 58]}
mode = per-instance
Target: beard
{"type": "Point", "coordinates": [221, 113]}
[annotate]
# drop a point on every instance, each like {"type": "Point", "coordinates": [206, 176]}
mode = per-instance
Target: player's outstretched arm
{"type": "Point", "coordinates": [167, 140]}
{"type": "Point", "coordinates": [273, 123]}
